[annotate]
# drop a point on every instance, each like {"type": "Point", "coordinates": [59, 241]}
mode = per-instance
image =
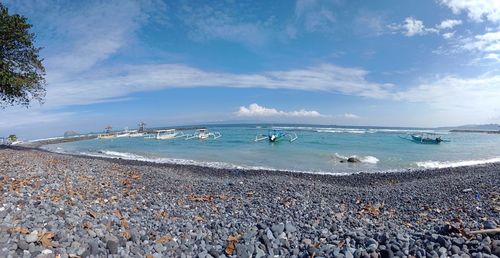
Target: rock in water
{"type": "Point", "coordinates": [353, 160]}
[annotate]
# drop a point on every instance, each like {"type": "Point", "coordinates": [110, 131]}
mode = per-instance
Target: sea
{"type": "Point", "coordinates": [318, 149]}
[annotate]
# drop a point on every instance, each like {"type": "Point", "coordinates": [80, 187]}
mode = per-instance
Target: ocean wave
{"type": "Point", "coordinates": [375, 130]}
{"type": "Point", "coordinates": [342, 130]}
{"type": "Point", "coordinates": [210, 164]}
{"type": "Point", "coordinates": [214, 164]}
{"type": "Point", "coordinates": [357, 130]}
{"type": "Point", "coordinates": [453, 164]}
{"type": "Point", "coordinates": [363, 159]}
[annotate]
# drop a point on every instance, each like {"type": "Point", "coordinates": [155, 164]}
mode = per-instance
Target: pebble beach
{"type": "Point", "coordinates": [75, 206]}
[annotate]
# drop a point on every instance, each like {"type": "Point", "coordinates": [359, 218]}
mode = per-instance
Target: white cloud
{"type": "Point", "coordinates": [312, 16]}
{"type": "Point", "coordinates": [83, 35]}
{"type": "Point", "coordinates": [351, 116]}
{"type": "Point", "coordinates": [486, 45]}
{"type": "Point", "coordinates": [448, 24]}
{"type": "Point", "coordinates": [412, 27]}
{"type": "Point", "coordinates": [448, 35]}
{"type": "Point", "coordinates": [208, 23]}
{"type": "Point", "coordinates": [492, 56]}
{"type": "Point", "coordinates": [254, 110]}
{"type": "Point", "coordinates": [477, 10]}
{"type": "Point", "coordinates": [461, 99]}
{"type": "Point", "coordinates": [369, 23]}
{"type": "Point", "coordinates": [121, 81]}
{"type": "Point", "coordinates": [488, 42]}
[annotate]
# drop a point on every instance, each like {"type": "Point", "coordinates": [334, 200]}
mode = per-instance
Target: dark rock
{"type": "Point", "coordinates": [112, 246]}
{"type": "Point", "coordinates": [455, 249]}
{"type": "Point", "coordinates": [213, 253]}
{"type": "Point", "coordinates": [289, 228]}
{"type": "Point", "coordinates": [278, 229]}
{"type": "Point", "coordinates": [353, 160]}
{"type": "Point", "coordinates": [489, 224]}
{"type": "Point", "coordinates": [496, 250]}
{"type": "Point", "coordinates": [386, 254]}
{"type": "Point", "coordinates": [22, 245]}
{"type": "Point", "coordinates": [458, 241]}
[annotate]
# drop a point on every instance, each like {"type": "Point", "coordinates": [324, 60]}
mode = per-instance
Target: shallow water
{"type": "Point", "coordinates": [318, 149]}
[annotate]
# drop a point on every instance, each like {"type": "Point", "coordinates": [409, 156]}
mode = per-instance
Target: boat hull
{"type": "Point", "coordinates": [423, 140]}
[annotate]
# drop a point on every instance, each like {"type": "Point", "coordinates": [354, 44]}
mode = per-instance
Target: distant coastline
{"type": "Point", "coordinates": [474, 131]}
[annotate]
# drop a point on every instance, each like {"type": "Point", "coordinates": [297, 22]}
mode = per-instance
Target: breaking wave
{"type": "Point", "coordinates": [131, 156]}
{"type": "Point", "coordinates": [453, 164]}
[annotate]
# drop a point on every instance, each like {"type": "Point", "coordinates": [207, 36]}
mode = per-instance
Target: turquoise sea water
{"type": "Point", "coordinates": [318, 149]}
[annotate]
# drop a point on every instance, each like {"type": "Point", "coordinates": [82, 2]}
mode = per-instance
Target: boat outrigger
{"type": "Point", "coordinates": [276, 135]}
{"type": "Point", "coordinates": [203, 134]}
{"type": "Point", "coordinates": [425, 138]}
{"type": "Point", "coordinates": [168, 134]}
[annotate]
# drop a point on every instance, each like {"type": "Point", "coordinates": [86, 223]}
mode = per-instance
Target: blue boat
{"type": "Point", "coordinates": [425, 138]}
{"type": "Point", "coordinates": [276, 135]}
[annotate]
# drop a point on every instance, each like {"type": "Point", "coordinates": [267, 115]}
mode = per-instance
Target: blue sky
{"type": "Point", "coordinates": [386, 63]}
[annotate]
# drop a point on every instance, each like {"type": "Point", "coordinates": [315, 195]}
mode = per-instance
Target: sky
{"type": "Point", "coordinates": [383, 63]}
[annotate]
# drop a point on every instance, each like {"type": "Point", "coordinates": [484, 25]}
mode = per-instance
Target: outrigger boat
{"type": "Point", "coordinates": [425, 138]}
{"type": "Point", "coordinates": [139, 132]}
{"type": "Point", "coordinates": [107, 133]}
{"type": "Point", "coordinates": [105, 136]}
{"type": "Point", "coordinates": [135, 133]}
{"type": "Point", "coordinates": [203, 134]}
{"type": "Point", "coordinates": [168, 134]}
{"type": "Point", "coordinates": [276, 135]}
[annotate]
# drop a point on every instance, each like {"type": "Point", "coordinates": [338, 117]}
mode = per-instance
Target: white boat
{"type": "Point", "coordinates": [203, 134]}
{"type": "Point", "coordinates": [136, 134]}
{"type": "Point", "coordinates": [105, 136]}
{"type": "Point", "coordinates": [168, 134]}
{"type": "Point", "coordinates": [122, 135]}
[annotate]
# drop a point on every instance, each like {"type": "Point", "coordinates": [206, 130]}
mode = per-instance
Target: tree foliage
{"type": "Point", "coordinates": [12, 138]}
{"type": "Point", "coordinates": [21, 69]}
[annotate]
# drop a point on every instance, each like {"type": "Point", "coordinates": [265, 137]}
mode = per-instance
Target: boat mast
{"type": "Point", "coordinates": [141, 126]}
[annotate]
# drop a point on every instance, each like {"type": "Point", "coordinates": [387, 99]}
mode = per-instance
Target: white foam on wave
{"type": "Point", "coordinates": [453, 164]}
{"type": "Point", "coordinates": [214, 164]}
{"type": "Point", "coordinates": [360, 130]}
{"type": "Point", "coordinates": [211, 164]}
{"type": "Point", "coordinates": [342, 130]}
{"type": "Point", "coordinates": [369, 159]}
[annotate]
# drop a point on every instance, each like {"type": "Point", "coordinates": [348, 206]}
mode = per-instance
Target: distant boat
{"type": "Point", "coordinates": [168, 134]}
{"type": "Point", "coordinates": [105, 136]}
{"type": "Point", "coordinates": [425, 138]}
{"type": "Point", "coordinates": [276, 135]}
{"type": "Point", "coordinates": [203, 134]}
{"type": "Point", "coordinates": [135, 134]}
{"type": "Point", "coordinates": [122, 135]}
